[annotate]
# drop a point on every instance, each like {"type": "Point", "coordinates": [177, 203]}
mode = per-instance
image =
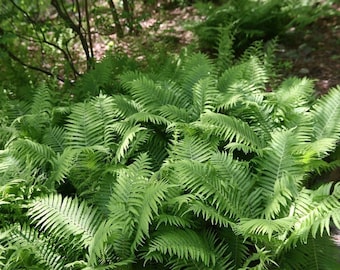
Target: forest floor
{"type": "Point", "coordinates": [312, 52]}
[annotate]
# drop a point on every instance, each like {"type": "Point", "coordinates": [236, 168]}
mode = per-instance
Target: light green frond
{"type": "Point", "coordinates": [152, 95]}
{"type": "Point", "coordinates": [176, 114]}
{"type": "Point", "coordinates": [294, 92]}
{"type": "Point", "coordinates": [197, 67]}
{"type": "Point", "coordinates": [24, 238]}
{"type": "Point", "coordinates": [251, 71]}
{"type": "Point", "coordinates": [30, 152]}
{"type": "Point", "coordinates": [266, 227]}
{"type": "Point", "coordinates": [186, 245]}
{"type": "Point", "coordinates": [132, 137]}
{"type": "Point", "coordinates": [147, 204]}
{"type": "Point", "coordinates": [42, 101]}
{"type": "Point", "coordinates": [125, 106]}
{"type": "Point", "coordinates": [84, 127]}
{"type": "Point", "coordinates": [204, 96]}
{"type": "Point", "coordinates": [192, 148]}
{"type": "Point", "coordinates": [65, 217]}
{"type": "Point", "coordinates": [145, 117]}
{"type": "Point", "coordinates": [62, 165]}
{"type": "Point", "coordinates": [326, 114]}
{"type": "Point", "coordinates": [211, 214]}
{"type": "Point", "coordinates": [314, 211]}
{"type": "Point", "coordinates": [278, 160]}
{"type": "Point", "coordinates": [55, 138]}
{"type": "Point", "coordinates": [230, 129]}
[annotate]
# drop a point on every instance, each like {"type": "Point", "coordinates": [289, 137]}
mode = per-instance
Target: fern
{"type": "Point", "coordinates": [65, 218]}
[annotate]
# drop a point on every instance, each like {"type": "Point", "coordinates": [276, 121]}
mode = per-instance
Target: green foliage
{"type": "Point", "coordinates": [238, 23]}
{"type": "Point", "coordinates": [201, 168]}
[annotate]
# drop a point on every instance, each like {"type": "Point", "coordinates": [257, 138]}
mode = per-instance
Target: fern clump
{"type": "Point", "coordinates": [199, 169]}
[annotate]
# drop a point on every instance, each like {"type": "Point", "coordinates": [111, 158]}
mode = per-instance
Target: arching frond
{"type": "Point", "coordinates": [42, 101]}
{"type": "Point", "coordinates": [65, 218]}
{"type": "Point", "coordinates": [230, 129]}
{"type": "Point", "coordinates": [280, 173]}
{"type": "Point", "coordinates": [30, 152]}
{"type": "Point", "coordinates": [197, 67]}
{"type": "Point", "coordinates": [85, 126]}
{"type": "Point", "coordinates": [204, 96]}
{"type": "Point", "coordinates": [326, 113]}
{"type": "Point", "coordinates": [55, 138]}
{"type": "Point", "coordinates": [189, 246]}
{"type": "Point", "coordinates": [28, 240]}
{"type": "Point", "coordinates": [192, 148]}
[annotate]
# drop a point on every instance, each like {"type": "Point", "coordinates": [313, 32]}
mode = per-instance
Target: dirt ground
{"type": "Point", "coordinates": [315, 53]}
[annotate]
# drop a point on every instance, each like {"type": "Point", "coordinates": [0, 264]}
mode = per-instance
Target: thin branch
{"type": "Point", "coordinates": [20, 61]}
{"type": "Point", "coordinates": [89, 29]}
{"type": "Point", "coordinates": [115, 17]}
{"type": "Point", "coordinates": [74, 27]}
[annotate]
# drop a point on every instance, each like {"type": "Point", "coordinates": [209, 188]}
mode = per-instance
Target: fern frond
{"type": "Point", "coordinates": [314, 211]}
{"type": "Point", "coordinates": [192, 148]}
{"type": "Point", "coordinates": [131, 137]}
{"type": "Point", "coordinates": [225, 56]}
{"type": "Point", "coordinates": [266, 227]}
{"type": "Point", "coordinates": [62, 164]}
{"type": "Point", "coordinates": [43, 249]}
{"type": "Point", "coordinates": [326, 113]}
{"type": "Point", "coordinates": [85, 127]}
{"type": "Point", "coordinates": [27, 151]}
{"type": "Point", "coordinates": [316, 253]}
{"type": "Point", "coordinates": [280, 173]}
{"type": "Point", "coordinates": [230, 129]}
{"type": "Point", "coordinates": [176, 114]}
{"type": "Point", "coordinates": [55, 138]}
{"type": "Point", "coordinates": [251, 71]}
{"type": "Point", "coordinates": [183, 244]}
{"type": "Point", "coordinates": [124, 106]}
{"type": "Point", "coordinates": [204, 96]}
{"type": "Point", "coordinates": [42, 101]}
{"type": "Point", "coordinates": [64, 218]}
{"type": "Point", "coordinates": [145, 117]}
{"type": "Point", "coordinates": [148, 204]}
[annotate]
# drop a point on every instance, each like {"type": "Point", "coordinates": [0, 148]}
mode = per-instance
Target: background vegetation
{"type": "Point", "coordinates": [163, 157]}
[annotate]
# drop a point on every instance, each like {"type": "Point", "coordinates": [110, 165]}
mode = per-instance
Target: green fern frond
{"type": "Point", "coordinates": [54, 137]}
{"type": "Point", "coordinates": [84, 127]}
{"type": "Point", "coordinates": [314, 211]}
{"type": "Point", "coordinates": [26, 238]}
{"type": "Point", "coordinates": [192, 148]}
{"type": "Point", "coordinates": [145, 117]}
{"type": "Point", "coordinates": [280, 173]}
{"type": "Point", "coordinates": [30, 152]}
{"type": "Point", "coordinates": [317, 253]}
{"type": "Point", "coordinates": [326, 113]}
{"type": "Point", "coordinates": [251, 71]}
{"type": "Point", "coordinates": [265, 227]}
{"type": "Point", "coordinates": [225, 56]}
{"type": "Point", "coordinates": [211, 213]}
{"type": "Point", "coordinates": [230, 129]}
{"type": "Point", "coordinates": [131, 135]}
{"type": "Point", "coordinates": [183, 244]}
{"type": "Point", "coordinates": [176, 114]}
{"type": "Point", "coordinates": [124, 106]}
{"type": "Point", "coordinates": [62, 165]}
{"type": "Point", "coordinates": [64, 218]}
{"type": "Point", "coordinates": [148, 204]}
{"type": "Point", "coordinates": [197, 67]}
{"type": "Point", "coordinates": [204, 96]}
{"type": "Point", "coordinates": [42, 101]}
{"type": "Point", "coordinates": [135, 200]}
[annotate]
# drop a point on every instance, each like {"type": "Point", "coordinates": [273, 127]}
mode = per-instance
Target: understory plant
{"type": "Point", "coordinates": [190, 167]}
